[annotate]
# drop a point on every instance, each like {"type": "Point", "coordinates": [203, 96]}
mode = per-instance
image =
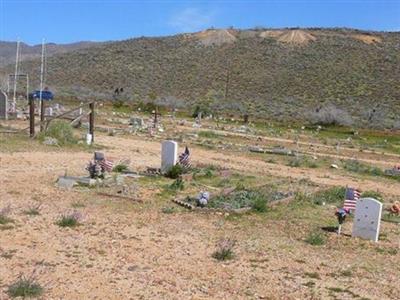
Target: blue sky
{"type": "Point", "coordinates": [65, 21]}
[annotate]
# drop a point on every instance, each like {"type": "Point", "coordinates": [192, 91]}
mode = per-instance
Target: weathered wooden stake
{"type": "Point", "coordinates": [31, 117]}
{"type": "Point", "coordinates": [91, 120]}
{"type": "Point", "coordinates": [41, 115]}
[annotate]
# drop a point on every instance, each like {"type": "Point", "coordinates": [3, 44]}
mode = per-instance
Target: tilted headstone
{"type": "Point", "coordinates": [367, 219]}
{"type": "Point", "coordinates": [169, 155]}
{"type": "Point", "coordinates": [3, 105]}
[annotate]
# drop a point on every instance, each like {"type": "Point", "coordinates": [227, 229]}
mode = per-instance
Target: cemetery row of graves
{"type": "Point", "coordinates": [232, 172]}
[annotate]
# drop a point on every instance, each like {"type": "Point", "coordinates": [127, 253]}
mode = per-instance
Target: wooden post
{"type": "Point", "coordinates": [31, 117]}
{"type": "Point", "coordinates": [156, 117]}
{"type": "Point", "coordinates": [91, 120]}
{"type": "Point", "coordinates": [41, 115]}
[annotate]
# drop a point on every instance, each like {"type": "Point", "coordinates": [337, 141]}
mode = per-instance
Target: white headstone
{"type": "Point", "coordinates": [367, 219]}
{"type": "Point", "coordinates": [169, 155]}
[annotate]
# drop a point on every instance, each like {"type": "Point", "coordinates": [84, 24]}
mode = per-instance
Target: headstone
{"type": "Point", "coordinates": [66, 183]}
{"type": "Point", "coordinates": [169, 155]}
{"type": "Point", "coordinates": [136, 122]}
{"type": "Point", "coordinates": [3, 105]}
{"type": "Point", "coordinates": [367, 219]}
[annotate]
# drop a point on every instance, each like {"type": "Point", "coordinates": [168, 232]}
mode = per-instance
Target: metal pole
{"type": "Point", "coordinates": [91, 120]}
{"type": "Point", "coordinates": [16, 76]}
{"type": "Point", "coordinates": [27, 87]}
{"type": "Point", "coordinates": [31, 117]}
{"type": "Point", "coordinates": [41, 91]}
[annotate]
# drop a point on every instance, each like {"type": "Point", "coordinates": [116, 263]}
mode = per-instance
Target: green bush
{"type": "Point", "coordinates": [224, 250]}
{"type": "Point", "coordinates": [25, 287]}
{"type": "Point", "coordinates": [259, 204]}
{"type": "Point", "coordinates": [71, 220]}
{"type": "Point", "coordinates": [177, 185]}
{"type": "Point", "coordinates": [62, 131]}
{"type": "Point", "coordinates": [4, 219]}
{"type": "Point", "coordinates": [334, 195]}
{"type": "Point", "coordinates": [358, 167]}
{"type": "Point", "coordinates": [118, 104]}
{"type": "Point", "coordinates": [372, 194]}
{"type": "Point", "coordinates": [175, 171]}
{"type": "Point", "coordinates": [316, 238]}
{"type": "Point", "coordinates": [240, 199]}
{"type": "Point", "coordinates": [294, 162]}
{"type": "Point", "coordinates": [208, 134]}
{"type": "Point", "coordinates": [120, 168]}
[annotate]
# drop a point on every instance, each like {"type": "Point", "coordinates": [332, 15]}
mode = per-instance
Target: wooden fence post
{"type": "Point", "coordinates": [91, 120]}
{"type": "Point", "coordinates": [31, 117]}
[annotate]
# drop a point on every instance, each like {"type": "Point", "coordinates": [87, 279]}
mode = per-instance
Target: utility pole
{"type": "Point", "coordinates": [14, 104]}
{"type": "Point", "coordinates": [41, 102]}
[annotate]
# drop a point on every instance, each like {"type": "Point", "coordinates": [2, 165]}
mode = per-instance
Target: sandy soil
{"type": "Point", "coordinates": [127, 250]}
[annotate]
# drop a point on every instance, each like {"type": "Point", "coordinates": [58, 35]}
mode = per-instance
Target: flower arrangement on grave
{"type": "Point", "coordinates": [341, 214]}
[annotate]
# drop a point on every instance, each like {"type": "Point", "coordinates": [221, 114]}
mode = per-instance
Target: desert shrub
{"type": "Point", "coordinates": [390, 217]}
{"type": "Point", "coordinates": [120, 168]}
{"type": "Point", "coordinates": [315, 238]}
{"type": "Point", "coordinates": [334, 195]}
{"type": "Point", "coordinates": [240, 199]}
{"type": "Point", "coordinates": [4, 218]}
{"type": "Point", "coordinates": [175, 171]}
{"type": "Point", "coordinates": [208, 134]}
{"type": "Point", "coordinates": [177, 185]}
{"type": "Point", "coordinates": [168, 210]}
{"type": "Point", "coordinates": [147, 106]}
{"type": "Point", "coordinates": [372, 194]}
{"type": "Point", "coordinates": [294, 162]}
{"type": "Point", "coordinates": [200, 109]}
{"type": "Point", "coordinates": [61, 131]}
{"type": "Point", "coordinates": [301, 198]}
{"type": "Point", "coordinates": [331, 115]}
{"type": "Point", "coordinates": [302, 162]}
{"type": "Point", "coordinates": [71, 220]}
{"type": "Point", "coordinates": [118, 104]}
{"type": "Point", "coordinates": [259, 204]}
{"type": "Point", "coordinates": [358, 167]}
{"type": "Point", "coordinates": [25, 287]}
{"type": "Point", "coordinates": [224, 250]}
{"type": "Point", "coordinates": [33, 210]}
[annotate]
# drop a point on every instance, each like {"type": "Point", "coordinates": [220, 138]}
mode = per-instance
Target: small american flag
{"type": "Point", "coordinates": [184, 159]}
{"type": "Point", "coordinates": [106, 165]}
{"type": "Point", "coordinates": [351, 197]}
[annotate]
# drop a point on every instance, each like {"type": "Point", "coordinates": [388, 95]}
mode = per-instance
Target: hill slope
{"type": "Point", "coordinates": [280, 74]}
{"type": "Point", "coordinates": [8, 50]}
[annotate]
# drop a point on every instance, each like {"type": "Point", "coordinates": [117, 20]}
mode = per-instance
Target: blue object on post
{"type": "Point", "coordinates": [46, 95]}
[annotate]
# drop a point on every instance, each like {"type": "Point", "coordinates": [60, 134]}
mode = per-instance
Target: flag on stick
{"type": "Point", "coordinates": [184, 159]}
{"type": "Point", "coordinates": [351, 197]}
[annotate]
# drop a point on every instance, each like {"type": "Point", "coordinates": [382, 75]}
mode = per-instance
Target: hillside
{"type": "Point", "coordinates": [8, 49]}
{"type": "Point", "coordinates": [277, 74]}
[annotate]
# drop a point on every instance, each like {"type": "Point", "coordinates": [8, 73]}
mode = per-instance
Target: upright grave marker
{"type": "Point", "coordinates": [169, 155]}
{"type": "Point", "coordinates": [367, 219]}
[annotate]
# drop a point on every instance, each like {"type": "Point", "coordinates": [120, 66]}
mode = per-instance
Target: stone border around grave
{"type": "Point", "coordinates": [211, 210]}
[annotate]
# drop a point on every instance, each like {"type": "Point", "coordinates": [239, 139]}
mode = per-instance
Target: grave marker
{"type": "Point", "coordinates": [169, 155]}
{"type": "Point", "coordinates": [367, 219]}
